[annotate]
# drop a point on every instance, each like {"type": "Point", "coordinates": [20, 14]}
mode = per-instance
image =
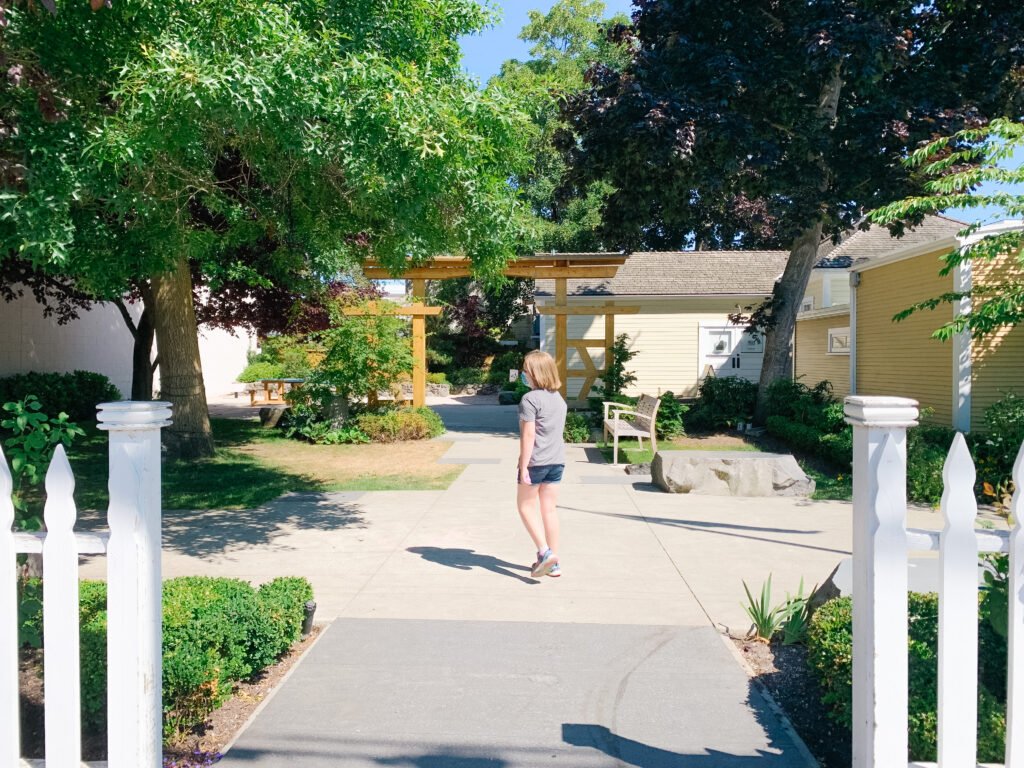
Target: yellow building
{"type": "Point", "coordinates": [682, 329]}
{"type": "Point", "coordinates": [861, 350]}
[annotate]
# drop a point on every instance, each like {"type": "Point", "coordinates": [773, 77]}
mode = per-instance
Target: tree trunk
{"type": "Point", "coordinates": [181, 372]}
{"type": "Point", "coordinates": [142, 354]}
{"type": "Point", "coordinates": [786, 296]}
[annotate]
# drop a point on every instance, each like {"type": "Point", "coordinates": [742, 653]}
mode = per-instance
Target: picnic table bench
{"type": "Point", "coordinates": [273, 389]}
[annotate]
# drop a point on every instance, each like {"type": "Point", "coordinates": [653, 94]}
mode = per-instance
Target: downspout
{"type": "Point", "coordinates": [854, 282]}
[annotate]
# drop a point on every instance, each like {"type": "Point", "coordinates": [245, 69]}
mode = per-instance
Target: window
{"type": "Point", "coordinates": [807, 304]}
{"type": "Point", "coordinates": [839, 341]}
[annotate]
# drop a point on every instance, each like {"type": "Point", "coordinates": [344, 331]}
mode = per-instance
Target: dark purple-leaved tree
{"type": "Point", "coordinates": [782, 121]}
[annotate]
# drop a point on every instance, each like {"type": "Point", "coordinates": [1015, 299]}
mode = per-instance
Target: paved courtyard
{"type": "Point", "coordinates": [444, 652]}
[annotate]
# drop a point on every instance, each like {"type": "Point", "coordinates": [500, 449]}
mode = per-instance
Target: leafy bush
{"type": "Point", "coordinates": [437, 378]}
{"type": "Point", "coordinates": [577, 428]}
{"type": "Point", "coordinates": [398, 424]}
{"type": "Point", "coordinates": [997, 448]}
{"type": "Point", "coordinates": [502, 364]}
{"type": "Point", "coordinates": [722, 403]}
{"type": "Point", "coordinates": [77, 393]}
{"type": "Point", "coordinates": [284, 600]}
{"type": "Point", "coordinates": [262, 369]}
{"type": "Point", "coordinates": [462, 376]}
{"type": "Point", "coordinates": [33, 438]}
{"type": "Point", "coordinates": [830, 658]}
{"type": "Point", "coordinates": [670, 417]}
{"type": "Point", "coordinates": [616, 378]}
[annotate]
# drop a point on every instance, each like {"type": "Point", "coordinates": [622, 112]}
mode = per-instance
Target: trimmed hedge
{"type": "Point", "coordinates": [830, 658]}
{"type": "Point", "coordinates": [215, 632]}
{"type": "Point", "coordinates": [77, 393]}
{"type": "Point", "coordinates": [722, 403]}
{"type": "Point", "coordinates": [391, 426]}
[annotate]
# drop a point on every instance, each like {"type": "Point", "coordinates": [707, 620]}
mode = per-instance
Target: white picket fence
{"type": "Point", "coordinates": [881, 543]}
{"type": "Point", "coordinates": [133, 598]}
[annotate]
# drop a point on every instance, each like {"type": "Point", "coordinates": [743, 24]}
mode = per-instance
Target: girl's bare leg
{"type": "Point", "coordinates": [549, 513]}
{"type": "Point", "coordinates": [526, 500]}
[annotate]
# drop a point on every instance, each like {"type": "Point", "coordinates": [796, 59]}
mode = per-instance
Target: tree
{"type": "Point", "coordinates": [741, 124]}
{"type": "Point", "coordinates": [955, 166]}
{"type": "Point", "coordinates": [566, 42]}
{"type": "Point", "coordinates": [157, 138]}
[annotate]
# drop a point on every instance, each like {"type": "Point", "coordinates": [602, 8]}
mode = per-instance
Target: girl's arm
{"type": "Point", "coordinates": [527, 434]}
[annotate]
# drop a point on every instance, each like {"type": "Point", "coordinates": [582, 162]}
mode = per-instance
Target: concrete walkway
{"type": "Point", "coordinates": [444, 653]}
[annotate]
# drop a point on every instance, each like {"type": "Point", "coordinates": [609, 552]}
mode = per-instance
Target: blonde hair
{"type": "Point", "coordinates": [541, 369]}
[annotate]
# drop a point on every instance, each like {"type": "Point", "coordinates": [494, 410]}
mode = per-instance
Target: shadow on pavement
{"type": "Point", "coordinates": [468, 559]}
{"type": "Point", "coordinates": [722, 529]}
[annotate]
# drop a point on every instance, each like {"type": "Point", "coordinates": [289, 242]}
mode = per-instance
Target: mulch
{"type": "Point", "coordinates": [782, 670]}
{"type": "Point", "coordinates": [203, 746]}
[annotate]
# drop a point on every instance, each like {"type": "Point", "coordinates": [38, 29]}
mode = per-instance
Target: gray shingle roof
{"type": "Point", "coordinates": [876, 241]}
{"type": "Point", "coordinates": [684, 273]}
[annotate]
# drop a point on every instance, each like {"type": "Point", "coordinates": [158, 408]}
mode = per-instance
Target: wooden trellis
{"type": "Point", "coordinates": [560, 268]}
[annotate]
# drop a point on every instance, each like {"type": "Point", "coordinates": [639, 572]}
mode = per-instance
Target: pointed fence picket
{"type": "Point", "coordinates": [133, 602]}
{"type": "Point", "coordinates": [881, 543]}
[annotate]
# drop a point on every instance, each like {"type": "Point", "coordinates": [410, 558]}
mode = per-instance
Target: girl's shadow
{"type": "Point", "coordinates": [468, 559]}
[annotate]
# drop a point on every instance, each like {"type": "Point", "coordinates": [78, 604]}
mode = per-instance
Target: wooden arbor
{"type": "Point", "coordinates": [558, 267]}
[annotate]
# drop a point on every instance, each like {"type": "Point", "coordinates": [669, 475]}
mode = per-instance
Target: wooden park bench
{"type": "Point", "coordinates": [642, 424]}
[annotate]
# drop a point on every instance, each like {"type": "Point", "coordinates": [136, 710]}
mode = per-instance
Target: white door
{"type": "Point", "coordinates": [730, 351]}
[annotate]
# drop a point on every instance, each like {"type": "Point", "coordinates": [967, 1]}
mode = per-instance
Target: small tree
{"type": "Point", "coordinates": [955, 166]}
{"type": "Point", "coordinates": [617, 378]}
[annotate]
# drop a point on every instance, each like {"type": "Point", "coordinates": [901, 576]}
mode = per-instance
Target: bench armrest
{"type": "Point", "coordinates": [617, 412]}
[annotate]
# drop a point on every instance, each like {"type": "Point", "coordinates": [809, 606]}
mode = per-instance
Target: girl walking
{"type": "Point", "coordinates": [541, 458]}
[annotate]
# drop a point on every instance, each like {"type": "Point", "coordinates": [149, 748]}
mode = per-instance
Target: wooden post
{"type": "Point", "coordinates": [133, 583]}
{"type": "Point", "coordinates": [880, 578]}
{"type": "Point", "coordinates": [562, 336]}
{"type": "Point", "coordinates": [419, 346]}
{"type": "Point", "coordinates": [609, 336]}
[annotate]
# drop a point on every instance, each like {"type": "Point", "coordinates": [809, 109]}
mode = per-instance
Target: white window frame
{"type": "Point", "coordinates": [807, 305]}
{"type": "Point", "coordinates": [834, 332]}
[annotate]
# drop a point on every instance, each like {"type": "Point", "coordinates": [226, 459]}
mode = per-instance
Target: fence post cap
{"type": "Point", "coordinates": [129, 415]}
{"type": "Point", "coordinates": [868, 411]}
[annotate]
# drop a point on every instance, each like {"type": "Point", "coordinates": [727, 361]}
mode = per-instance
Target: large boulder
{"type": "Point", "coordinates": [730, 473]}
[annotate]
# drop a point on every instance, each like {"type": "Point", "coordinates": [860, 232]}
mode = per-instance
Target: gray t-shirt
{"type": "Point", "coordinates": [547, 409]}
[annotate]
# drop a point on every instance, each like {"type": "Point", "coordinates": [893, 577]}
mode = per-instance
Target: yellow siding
{"type": "Point", "coordinates": [901, 359]}
{"type": "Point", "coordinates": [997, 361]}
{"type": "Point", "coordinates": [666, 334]}
{"type": "Point", "coordinates": [815, 289]}
{"type": "Point", "coordinates": [811, 360]}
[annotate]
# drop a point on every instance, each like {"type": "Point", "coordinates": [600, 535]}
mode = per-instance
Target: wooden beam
{"type": "Point", "coordinates": [374, 309]}
{"type": "Point", "coordinates": [417, 273]}
{"type": "Point", "coordinates": [577, 309]}
{"type": "Point", "coordinates": [549, 273]}
{"type": "Point", "coordinates": [419, 347]}
{"type": "Point", "coordinates": [561, 336]}
{"type": "Point", "coordinates": [513, 270]}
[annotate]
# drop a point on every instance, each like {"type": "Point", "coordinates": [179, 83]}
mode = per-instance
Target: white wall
{"type": "Point", "coordinates": [99, 341]}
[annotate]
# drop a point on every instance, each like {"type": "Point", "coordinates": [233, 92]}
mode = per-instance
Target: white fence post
{"type": "Point", "coordinates": [1015, 640]}
{"type": "Point", "coordinates": [880, 578]}
{"type": "Point", "coordinates": [133, 583]}
{"type": "Point", "coordinates": [10, 729]}
{"type": "Point", "coordinates": [958, 612]}
{"type": "Point", "coordinates": [61, 676]}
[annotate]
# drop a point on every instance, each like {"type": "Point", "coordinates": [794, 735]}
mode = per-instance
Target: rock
{"type": "Point", "coordinates": [730, 473]}
{"type": "Point", "coordinates": [270, 415]}
{"type": "Point", "coordinates": [639, 469]}
{"type": "Point", "coordinates": [507, 398]}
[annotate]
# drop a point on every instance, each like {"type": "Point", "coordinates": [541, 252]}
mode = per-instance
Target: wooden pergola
{"type": "Point", "coordinates": [557, 267]}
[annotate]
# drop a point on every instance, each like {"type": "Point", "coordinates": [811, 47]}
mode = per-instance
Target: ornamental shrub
{"type": "Point", "coordinates": [77, 393]}
{"type": "Point", "coordinates": [577, 428]}
{"type": "Point", "coordinates": [262, 369]}
{"type": "Point", "coordinates": [830, 659]}
{"type": "Point", "coordinates": [283, 600]}
{"type": "Point", "coordinates": [502, 364]}
{"type": "Point", "coordinates": [463, 376]}
{"type": "Point", "coordinates": [394, 425]}
{"type": "Point", "coordinates": [670, 417]}
{"type": "Point", "coordinates": [722, 403]}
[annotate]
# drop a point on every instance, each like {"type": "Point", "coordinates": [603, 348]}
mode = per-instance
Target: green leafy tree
{"type": "Point", "coordinates": [740, 124]}
{"type": "Point", "coordinates": [159, 139]}
{"type": "Point", "coordinates": [955, 166]}
{"type": "Point", "coordinates": [565, 42]}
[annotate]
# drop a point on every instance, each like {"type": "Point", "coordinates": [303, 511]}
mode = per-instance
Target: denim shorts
{"type": "Point", "coordinates": [548, 473]}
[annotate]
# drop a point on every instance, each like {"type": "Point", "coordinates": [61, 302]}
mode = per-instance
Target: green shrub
{"type": "Point", "coordinates": [997, 448]}
{"type": "Point", "coordinates": [830, 658]}
{"type": "Point", "coordinates": [463, 376]}
{"type": "Point", "coordinates": [262, 369]}
{"type": "Point", "coordinates": [437, 378]}
{"type": "Point", "coordinates": [284, 600]}
{"type": "Point", "coordinates": [398, 424]}
{"type": "Point", "coordinates": [670, 417]}
{"type": "Point", "coordinates": [30, 613]}
{"type": "Point", "coordinates": [502, 364]}
{"type": "Point", "coordinates": [92, 617]}
{"type": "Point", "coordinates": [722, 403]}
{"type": "Point", "coordinates": [77, 393]}
{"type": "Point", "coordinates": [577, 428]}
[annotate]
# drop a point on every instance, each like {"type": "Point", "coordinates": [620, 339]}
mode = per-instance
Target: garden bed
{"type": "Point", "coordinates": [782, 671]}
{"type": "Point", "coordinates": [200, 747]}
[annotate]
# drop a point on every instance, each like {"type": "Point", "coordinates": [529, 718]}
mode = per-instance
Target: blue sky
{"type": "Point", "coordinates": [483, 55]}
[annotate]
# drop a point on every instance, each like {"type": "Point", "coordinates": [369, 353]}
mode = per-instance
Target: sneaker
{"type": "Point", "coordinates": [544, 565]}
{"type": "Point", "coordinates": [556, 571]}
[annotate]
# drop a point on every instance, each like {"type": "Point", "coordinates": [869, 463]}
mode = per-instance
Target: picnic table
{"type": "Point", "coordinates": [273, 389]}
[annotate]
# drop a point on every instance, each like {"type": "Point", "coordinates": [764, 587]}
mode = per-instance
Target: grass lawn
{"type": "Point", "coordinates": [829, 484]}
{"type": "Point", "coordinates": [254, 465]}
{"type": "Point", "coordinates": [629, 453]}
